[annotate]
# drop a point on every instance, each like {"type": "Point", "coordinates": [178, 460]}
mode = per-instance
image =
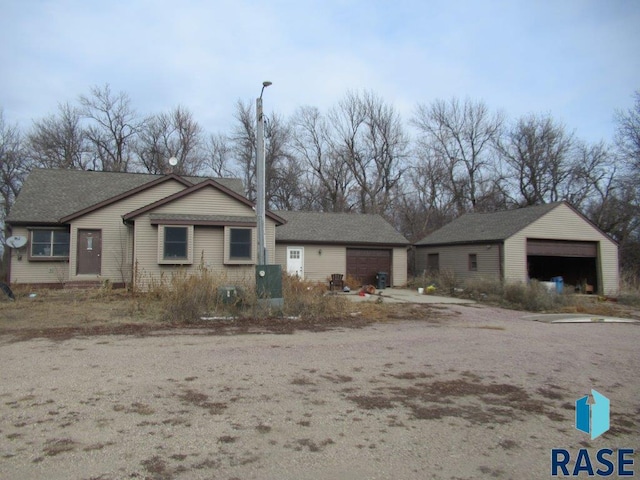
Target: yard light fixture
{"type": "Point", "coordinates": [260, 174]}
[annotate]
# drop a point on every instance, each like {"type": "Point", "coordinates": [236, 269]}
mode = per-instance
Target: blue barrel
{"type": "Point", "coordinates": [559, 281]}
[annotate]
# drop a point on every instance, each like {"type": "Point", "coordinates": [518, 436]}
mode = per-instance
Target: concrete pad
{"type": "Point", "coordinates": [577, 318]}
{"type": "Point", "coordinates": [403, 295]}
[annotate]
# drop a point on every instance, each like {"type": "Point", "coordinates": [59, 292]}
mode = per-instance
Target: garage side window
{"type": "Point", "coordinates": [433, 262]}
{"type": "Point", "coordinates": [473, 262]}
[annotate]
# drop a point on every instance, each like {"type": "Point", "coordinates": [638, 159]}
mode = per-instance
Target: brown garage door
{"type": "Point", "coordinates": [364, 264]}
{"type": "Point", "coordinates": [561, 248]}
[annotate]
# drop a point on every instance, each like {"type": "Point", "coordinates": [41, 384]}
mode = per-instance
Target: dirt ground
{"type": "Point", "coordinates": [442, 392]}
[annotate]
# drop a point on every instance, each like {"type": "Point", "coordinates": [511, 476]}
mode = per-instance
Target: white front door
{"type": "Point", "coordinates": [295, 261]}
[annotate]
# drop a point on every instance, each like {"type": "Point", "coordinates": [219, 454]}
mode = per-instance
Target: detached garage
{"type": "Point", "coordinates": [316, 245]}
{"type": "Point", "coordinates": [540, 242]}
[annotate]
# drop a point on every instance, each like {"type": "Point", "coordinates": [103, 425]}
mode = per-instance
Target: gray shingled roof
{"type": "Point", "coordinates": [486, 227]}
{"type": "Point", "coordinates": [344, 228]}
{"type": "Point", "coordinates": [49, 195]}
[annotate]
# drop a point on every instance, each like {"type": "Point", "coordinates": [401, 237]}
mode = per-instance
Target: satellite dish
{"type": "Point", "coordinates": [173, 161]}
{"type": "Point", "coordinates": [16, 241]}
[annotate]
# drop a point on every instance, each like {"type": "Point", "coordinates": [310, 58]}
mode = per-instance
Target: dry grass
{"type": "Point", "coordinates": [64, 314]}
{"type": "Point", "coordinates": [532, 297]}
{"type": "Point", "coordinates": [45, 308]}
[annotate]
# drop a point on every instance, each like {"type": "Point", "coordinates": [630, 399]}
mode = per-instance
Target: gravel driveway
{"type": "Point", "coordinates": [475, 392]}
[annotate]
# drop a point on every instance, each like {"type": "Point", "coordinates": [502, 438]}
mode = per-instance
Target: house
{"type": "Point", "coordinates": [539, 242]}
{"type": "Point", "coordinates": [315, 245]}
{"type": "Point", "coordinates": [84, 227]}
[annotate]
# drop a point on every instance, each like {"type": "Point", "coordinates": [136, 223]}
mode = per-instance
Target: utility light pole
{"type": "Point", "coordinates": [261, 190]}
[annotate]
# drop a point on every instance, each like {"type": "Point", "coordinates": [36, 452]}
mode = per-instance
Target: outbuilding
{"type": "Point", "coordinates": [316, 245]}
{"type": "Point", "coordinates": [542, 242]}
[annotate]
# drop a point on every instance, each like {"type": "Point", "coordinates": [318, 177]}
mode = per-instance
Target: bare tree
{"type": "Point", "coordinates": [281, 169]}
{"type": "Point", "coordinates": [430, 204]}
{"type": "Point", "coordinates": [59, 141]}
{"type": "Point", "coordinates": [592, 175]}
{"type": "Point", "coordinates": [243, 141]}
{"type": "Point", "coordinates": [13, 166]}
{"type": "Point", "coordinates": [625, 206]}
{"type": "Point", "coordinates": [13, 170]}
{"type": "Point", "coordinates": [113, 126]}
{"type": "Point", "coordinates": [628, 134]}
{"type": "Point", "coordinates": [538, 153]}
{"type": "Point", "coordinates": [166, 135]}
{"type": "Point", "coordinates": [218, 156]}
{"type": "Point", "coordinates": [462, 135]}
{"type": "Point", "coordinates": [369, 138]}
{"type": "Point", "coordinates": [327, 180]}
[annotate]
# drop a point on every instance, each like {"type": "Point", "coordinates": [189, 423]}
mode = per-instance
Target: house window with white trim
{"type": "Point", "coordinates": [49, 244]}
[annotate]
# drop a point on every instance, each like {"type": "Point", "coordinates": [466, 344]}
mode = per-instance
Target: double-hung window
{"type": "Point", "coordinates": [174, 244]}
{"type": "Point", "coordinates": [239, 244]}
{"type": "Point", "coordinates": [239, 248]}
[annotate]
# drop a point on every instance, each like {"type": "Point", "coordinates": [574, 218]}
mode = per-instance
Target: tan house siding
{"type": "Point", "coordinates": [207, 250]}
{"type": "Point", "coordinates": [456, 259]}
{"type": "Point", "coordinates": [280, 256]}
{"type": "Point", "coordinates": [319, 267]}
{"type": "Point", "coordinates": [399, 265]}
{"type": "Point", "coordinates": [208, 245]}
{"type": "Point", "coordinates": [44, 272]}
{"type": "Point", "coordinates": [206, 201]}
{"type": "Point", "coordinates": [117, 238]}
{"type": "Point", "coordinates": [562, 223]}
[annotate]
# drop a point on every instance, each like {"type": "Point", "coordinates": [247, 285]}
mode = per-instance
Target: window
{"type": "Point", "coordinates": [49, 244]}
{"type": "Point", "coordinates": [473, 262]}
{"type": "Point", "coordinates": [240, 244]}
{"type": "Point", "coordinates": [175, 244]}
{"type": "Point", "coordinates": [433, 262]}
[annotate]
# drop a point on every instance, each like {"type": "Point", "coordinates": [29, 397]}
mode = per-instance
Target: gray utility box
{"type": "Point", "coordinates": [228, 294]}
{"type": "Point", "coordinates": [269, 284]}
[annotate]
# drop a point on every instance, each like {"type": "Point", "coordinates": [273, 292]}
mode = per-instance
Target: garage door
{"type": "Point", "coordinates": [364, 264]}
{"type": "Point", "coordinates": [562, 248]}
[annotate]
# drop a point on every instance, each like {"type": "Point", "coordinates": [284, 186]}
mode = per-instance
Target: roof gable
{"type": "Point", "coordinates": [342, 228]}
{"type": "Point", "coordinates": [209, 183]}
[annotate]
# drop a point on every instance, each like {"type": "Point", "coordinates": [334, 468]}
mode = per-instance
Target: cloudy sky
{"type": "Point", "coordinates": [578, 60]}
